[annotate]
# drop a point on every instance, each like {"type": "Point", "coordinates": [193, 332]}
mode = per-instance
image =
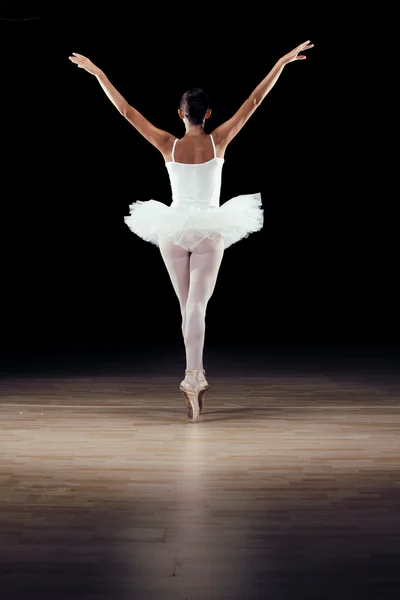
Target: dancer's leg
{"type": "Point", "coordinates": [205, 262]}
{"type": "Point", "coordinates": [176, 260]}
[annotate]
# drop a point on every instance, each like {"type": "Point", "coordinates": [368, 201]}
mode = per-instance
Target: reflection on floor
{"type": "Point", "coordinates": [288, 487]}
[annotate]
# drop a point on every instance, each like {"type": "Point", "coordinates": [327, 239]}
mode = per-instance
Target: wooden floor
{"type": "Point", "coordinates": [288, 488]}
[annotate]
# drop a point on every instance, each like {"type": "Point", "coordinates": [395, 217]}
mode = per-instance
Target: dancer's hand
{"type": "Point", "coordinates": [294, 54]}
{"type": "Point", "coordinates": [84, 63]}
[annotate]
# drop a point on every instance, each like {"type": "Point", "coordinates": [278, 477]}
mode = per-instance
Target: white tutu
{"type": "Point", "coordinates": [188, 225]}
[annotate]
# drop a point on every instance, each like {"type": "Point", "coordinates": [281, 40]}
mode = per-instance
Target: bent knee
{"type": "Point", "coordinates": [195, 306]}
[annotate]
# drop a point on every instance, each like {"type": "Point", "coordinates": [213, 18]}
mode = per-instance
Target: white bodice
{"type": "Point", "coordinates": [196, 184]}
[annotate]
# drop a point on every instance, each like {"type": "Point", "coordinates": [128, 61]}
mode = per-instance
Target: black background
{"type": "Point", "coordinates": [324, 268]}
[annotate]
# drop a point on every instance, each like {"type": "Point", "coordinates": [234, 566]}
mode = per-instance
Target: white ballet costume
{"type": "Point", "coordinates": [195, 213]}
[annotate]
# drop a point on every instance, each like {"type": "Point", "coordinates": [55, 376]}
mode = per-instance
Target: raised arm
{"type": "Point", "coordinates": [225, 133]}
{"type": "Point", "coordinates": [159, 138]}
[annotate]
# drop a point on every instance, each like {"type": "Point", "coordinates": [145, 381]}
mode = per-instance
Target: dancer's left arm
{"type": "Point", "coordinates": [155, 136]}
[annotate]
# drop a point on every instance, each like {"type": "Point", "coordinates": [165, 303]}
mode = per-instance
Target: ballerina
{"type": "Point", "coordinates": [194, 231]}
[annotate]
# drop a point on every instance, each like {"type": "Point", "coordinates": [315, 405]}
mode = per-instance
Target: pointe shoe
{"type": "Point", "coordinates": [203, 387]}
{"type": "Point", "coordinates": [190, 390]}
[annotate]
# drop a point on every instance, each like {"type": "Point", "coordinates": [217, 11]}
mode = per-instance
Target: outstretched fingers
{"type": "Point", "coordinates": [305, 46]}
{"type": "Point", "coordinates": [78, 60]}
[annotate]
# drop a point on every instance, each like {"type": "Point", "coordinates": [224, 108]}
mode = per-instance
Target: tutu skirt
{"type": "Point", "coordinates": [187, 225]}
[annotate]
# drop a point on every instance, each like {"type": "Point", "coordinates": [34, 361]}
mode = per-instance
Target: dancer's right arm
{"type": "Point", "coordinates": [157, 137]}
{"type": "Point", "coordinates": [225, 133]}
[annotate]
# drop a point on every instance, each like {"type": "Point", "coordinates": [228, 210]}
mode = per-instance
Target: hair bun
{"type": "Point", "coordinates": [194, 104]}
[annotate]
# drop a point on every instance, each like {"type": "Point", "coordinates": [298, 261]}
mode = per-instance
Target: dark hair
{"type": "Point", "coordinates": [194, 105]}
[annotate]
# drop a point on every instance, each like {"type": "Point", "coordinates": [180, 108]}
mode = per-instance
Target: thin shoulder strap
{"type": "Point", "coordinates": [173, 150]}
{"type": "Point", "coordinates": [215, 152]}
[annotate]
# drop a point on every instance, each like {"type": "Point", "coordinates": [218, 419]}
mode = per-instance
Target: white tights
{"type": "Point", "coordinates": [193, 277]}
